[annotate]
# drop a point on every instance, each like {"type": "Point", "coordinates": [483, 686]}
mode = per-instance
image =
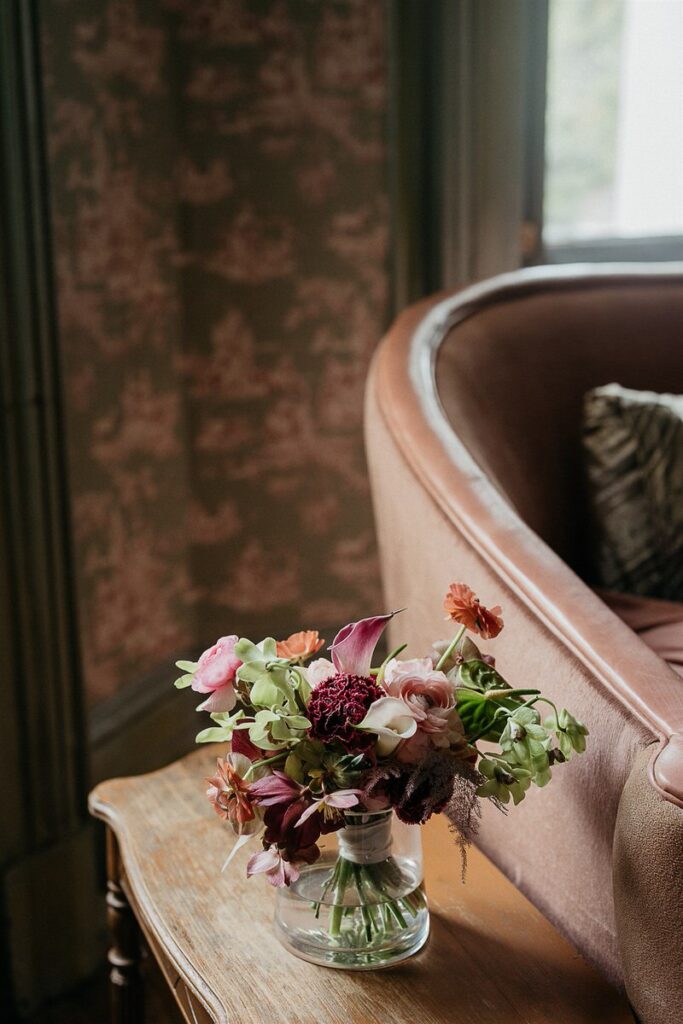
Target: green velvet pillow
{"type": "Point", "coordinates": [633, 447]}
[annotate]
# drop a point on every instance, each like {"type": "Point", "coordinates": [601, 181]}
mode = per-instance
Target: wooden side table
{"type": "Point", "coordinates": [491, 955]}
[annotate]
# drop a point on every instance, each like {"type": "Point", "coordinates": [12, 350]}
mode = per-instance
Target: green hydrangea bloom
{"type": "Point", "coordinates": [571, 734]}
{"type": "Point", "coordinates": [526, 740]}
{"type": "Point", "coordinates": [503, 780]}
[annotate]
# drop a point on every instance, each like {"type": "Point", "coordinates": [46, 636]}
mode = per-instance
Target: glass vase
{"type": "Point", "coordinates": [361, 906]}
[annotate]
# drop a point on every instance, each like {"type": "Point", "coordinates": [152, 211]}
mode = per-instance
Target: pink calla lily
{"type": "Point", "coordinates": [354, 645]}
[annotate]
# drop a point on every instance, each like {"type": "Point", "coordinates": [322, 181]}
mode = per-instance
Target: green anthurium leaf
{"type": "Point", "coordinates": [481, 676]}
{"type": "Point", "coordinates": [183, 681]}
{"type": "Point", "coordinates": [212, 736]}
{"type": "Point", "coordinates": [477, 714]}
{"type": "Point", "coordinates": [187, 666]}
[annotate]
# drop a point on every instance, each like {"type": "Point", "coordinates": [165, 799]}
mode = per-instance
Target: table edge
{"type": "Point", "coordinates": [106, 812]}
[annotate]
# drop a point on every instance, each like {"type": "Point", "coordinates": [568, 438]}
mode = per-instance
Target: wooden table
{"type": "Point", "coordinates": [491, 956]}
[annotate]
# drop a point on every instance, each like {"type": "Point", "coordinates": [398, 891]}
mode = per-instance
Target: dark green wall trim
{"type": "Point", "coordinates": [40, 619]}
{"type": "Point", "coordinates": [42, 756]}
{"type": "Point", "coordinates": [463, 138]}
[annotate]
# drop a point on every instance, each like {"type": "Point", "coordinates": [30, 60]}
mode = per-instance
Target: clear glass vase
{"type": "Point", "coordinates": [362, 905]}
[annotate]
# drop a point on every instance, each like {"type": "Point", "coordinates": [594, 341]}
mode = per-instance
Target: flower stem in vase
{"type": "Point", "coordinates": [342, 871]}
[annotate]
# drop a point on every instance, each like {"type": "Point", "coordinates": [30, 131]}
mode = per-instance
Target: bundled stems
{"type": "Point", "coordinates": [380, 913]}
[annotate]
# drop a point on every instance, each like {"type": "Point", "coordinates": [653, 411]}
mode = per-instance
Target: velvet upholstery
{"type": "Point", "coordinates": [473, 438]}
{"type": "Point", "coordinates": [658, 623]}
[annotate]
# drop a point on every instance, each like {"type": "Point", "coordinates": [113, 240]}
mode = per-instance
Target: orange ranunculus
{"type": "Point", "coordinates": [300, 645]}
{"type": "Point", "coordinates": [462, 605]}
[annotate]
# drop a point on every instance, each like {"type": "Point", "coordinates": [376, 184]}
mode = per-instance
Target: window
{"type": "Point", "coordinates": [613, 180]}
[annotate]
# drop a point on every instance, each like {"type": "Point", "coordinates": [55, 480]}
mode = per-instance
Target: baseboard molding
{"type": "Point", "coordinates": [53, 902]}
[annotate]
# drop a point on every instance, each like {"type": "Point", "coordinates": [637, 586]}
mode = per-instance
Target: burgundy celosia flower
{"type": "Point", "coordinates": [337, 705]}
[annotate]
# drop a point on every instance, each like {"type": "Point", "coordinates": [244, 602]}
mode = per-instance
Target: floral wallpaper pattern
{"type": "Point", "coordinates": [220, 224]}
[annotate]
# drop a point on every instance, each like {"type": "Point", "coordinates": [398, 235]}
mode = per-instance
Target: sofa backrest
{"type": "Point", "coordinates": [512, 372]}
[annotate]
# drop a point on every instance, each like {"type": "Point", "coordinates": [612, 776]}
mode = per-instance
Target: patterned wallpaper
{"type": "Point", "coordinates": [220, 220]}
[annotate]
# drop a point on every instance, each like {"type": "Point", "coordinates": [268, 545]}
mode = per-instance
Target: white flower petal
{"type": "Point", "coordinates": [390, 719]}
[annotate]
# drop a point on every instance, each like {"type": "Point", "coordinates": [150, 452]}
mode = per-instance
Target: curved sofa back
{"type": "Point", "coordinates": [512, 372]}
{"type": "Point", "coordinates": [454, 448]}
{"type": "Point", "coordinates": [468, 453]}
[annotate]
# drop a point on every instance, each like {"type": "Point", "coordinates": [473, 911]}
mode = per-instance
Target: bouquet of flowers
{"type": "Point", "coordinates": [319, 745]}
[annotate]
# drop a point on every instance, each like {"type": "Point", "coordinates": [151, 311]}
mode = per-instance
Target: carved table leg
{"type": "Point", "coordinates": [125, 979]}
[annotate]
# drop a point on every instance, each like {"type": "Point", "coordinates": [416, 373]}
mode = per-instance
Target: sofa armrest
{"type": "Point", "coordinates": [648, 841]}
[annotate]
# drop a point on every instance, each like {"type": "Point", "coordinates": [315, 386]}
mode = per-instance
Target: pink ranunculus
{"type": "Point", "coordinates": [430, 697]}
{"type": "Point", "coordinates": [215, 675]}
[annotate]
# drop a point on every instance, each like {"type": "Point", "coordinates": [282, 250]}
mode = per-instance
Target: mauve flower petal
{"type": "Point", "coordinates": [219, 700]}
{"type": "Point", "coordinates": [277, 788]}
{"type": "Point", "coordinates": [308, 813]}
{"type": "Point", "coordinates": [241, 744]}
{"type": "Point", "coordinates": [354, 645]}
{"type": "Point", "coordinates": [343, 798]}
{"type": "Point", "coordinates": [262, 862]}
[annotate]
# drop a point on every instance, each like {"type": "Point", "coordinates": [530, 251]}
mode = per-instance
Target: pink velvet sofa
{"type": "Point", "coordinates": [473, 440]}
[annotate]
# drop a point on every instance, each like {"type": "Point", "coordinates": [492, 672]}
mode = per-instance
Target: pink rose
{"type": "Point", "coordinates": [215, 674]}
{"type": "Point", "coordinates": [430, 697]}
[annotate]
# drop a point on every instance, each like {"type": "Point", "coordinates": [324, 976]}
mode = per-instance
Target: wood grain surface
{"type": "Point", "coordinates": [491, 955]}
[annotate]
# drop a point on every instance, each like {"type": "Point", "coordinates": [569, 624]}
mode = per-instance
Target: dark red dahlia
{"type": "Point", "coordinates": [339, 703]}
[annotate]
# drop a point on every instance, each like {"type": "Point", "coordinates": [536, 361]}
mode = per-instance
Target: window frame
{"type": "Point", "coordinates": [602, 249]}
